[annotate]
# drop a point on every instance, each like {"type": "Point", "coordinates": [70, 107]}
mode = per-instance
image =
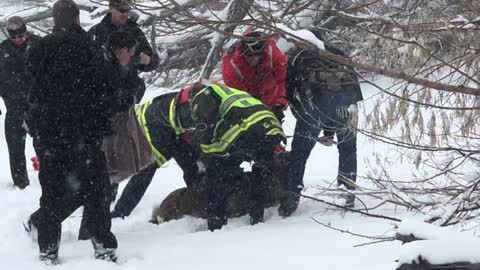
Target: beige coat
{"type": "Point", "coordinates": [127, 151]}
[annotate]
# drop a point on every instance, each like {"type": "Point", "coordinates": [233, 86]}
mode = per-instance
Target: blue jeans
{"type": "Point", "coordinates": [327, 113]}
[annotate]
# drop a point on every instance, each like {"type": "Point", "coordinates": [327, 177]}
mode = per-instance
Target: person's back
{"type": "Point", "coordinates": [68, 117]}
{"type": "Point", "coordinates": [308, 75]}
{"type": "Point", "coordinates": [64, 95]}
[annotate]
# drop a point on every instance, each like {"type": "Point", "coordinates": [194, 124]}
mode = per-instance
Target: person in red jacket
{"type": "Point", "coordinates": [258, 67]}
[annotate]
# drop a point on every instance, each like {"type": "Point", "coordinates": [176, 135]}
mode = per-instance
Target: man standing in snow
{"type": "Point", "coordinates": [145, 58]}
{"type": "Point", "coordinates": [13, 89]}
{"type": "Point", "coordinates": [117, 20]}
{"type": "Point", "coordinates": [322, 96]}
{"type": "Point", "coordinates": [68, 117]}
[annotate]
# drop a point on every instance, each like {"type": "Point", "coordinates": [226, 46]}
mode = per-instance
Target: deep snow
{"type": "Point", "coordinates": [295, 242]}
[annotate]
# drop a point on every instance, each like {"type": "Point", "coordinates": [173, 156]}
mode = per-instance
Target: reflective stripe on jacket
{"type": "Point", "coordinates": [233, 98]}
{"type": "Point", "coordinates": [159, 158]}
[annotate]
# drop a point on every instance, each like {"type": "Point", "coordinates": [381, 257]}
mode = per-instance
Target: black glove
{"type": "Point", "coordinates": [278, 111]}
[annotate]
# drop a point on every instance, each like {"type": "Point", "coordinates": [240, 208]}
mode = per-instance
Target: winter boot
{"type": "Point", "coordinates": [288, 204]}
{"type": "Point", "coordinates": [49, 256]}
{"type": "Point", "coordinates": [216, 223]}
{"type": "Point", "coordinates": [349, 199]}
{"type": "Point", "coordinates": [22, 185]}
{"type": "Point", "coordinates": [256, 215]}
{"type": "Point", "coordinates": [102, 253]}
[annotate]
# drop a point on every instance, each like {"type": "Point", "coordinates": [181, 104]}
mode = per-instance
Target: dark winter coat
{"type": "Point", "coordinates": [165, 142]}
{"type": "Point", "coordinates": [101, 32]}
{"type": "Point", "coordinates": [124, 80]}
{"type": "Point", "coordinates": [308, 75]}
{"type": "Point", "coordinates": [13, 78]}
{"type": "Point", "coordinates": [71, 94]}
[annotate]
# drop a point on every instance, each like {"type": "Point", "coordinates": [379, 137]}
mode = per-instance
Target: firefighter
{"type": "Point", "coordinates": [228, 126]}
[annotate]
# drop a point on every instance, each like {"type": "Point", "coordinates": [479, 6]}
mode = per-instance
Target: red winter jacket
{"type": "Point", "coordinates": [266, 81]}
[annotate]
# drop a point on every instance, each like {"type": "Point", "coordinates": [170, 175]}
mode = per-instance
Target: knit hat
{"type": "Point", "coordinates": [65, 12]}
{"type": "Point", "coordinates": [16, 26]}
{"type": "Point", "coordinates": [119, 3]}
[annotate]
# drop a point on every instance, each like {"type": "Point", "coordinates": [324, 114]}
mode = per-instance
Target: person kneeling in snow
{"type": "Point", "coordinates": [228, 126]}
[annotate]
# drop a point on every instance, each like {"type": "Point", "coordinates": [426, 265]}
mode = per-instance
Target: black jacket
{"type": "Point", "coordinates": [308, 75]}
{"type": "Point", "coordinates": [124, 82]}
{"type": "Point", "coordinates": [71, 94]}
{"type": "Point", "coordinates": [13, 78]}
{"type": "Point", "coordinates": [101, 32]}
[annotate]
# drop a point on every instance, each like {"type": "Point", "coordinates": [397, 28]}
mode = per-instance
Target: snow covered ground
{"type": "Point", "coordinates": [296, 242]}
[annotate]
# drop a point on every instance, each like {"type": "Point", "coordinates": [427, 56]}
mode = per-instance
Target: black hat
{"type": "Point", "coordinates": [119, 3]}
{"type": "Point", "coordinates": [65, 12]}
{"type": "Point", "coordinates": [16, 26]}
{"type": "Point", "coordinates": [253, 47]}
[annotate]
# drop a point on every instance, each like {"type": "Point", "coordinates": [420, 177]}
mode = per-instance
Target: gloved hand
{"type": "Point", "coordinates": [35, 164]}
{"type": "Point", "coordinates": [278, 111]}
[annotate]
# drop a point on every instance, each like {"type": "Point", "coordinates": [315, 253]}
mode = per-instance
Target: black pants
{"type": "Point", "coordinates": [72, 175]}
{"type": "Point", "coordinates": [138, 184]}
{"type": "Point", "coordinates": [15, 135]}
{"type": "Point", "coordinates": [220, 169]}
{"type": "Point", "coordinates": [134, 191]}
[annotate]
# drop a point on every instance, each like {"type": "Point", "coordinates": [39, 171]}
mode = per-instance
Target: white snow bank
{"type": "Point", "coordinates": [440, 251]}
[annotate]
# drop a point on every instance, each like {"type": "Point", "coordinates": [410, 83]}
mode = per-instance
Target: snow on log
{"type": "Point", "coordinates": [411, 230]}
{"type": "Point", "coordinates": [440, 254]}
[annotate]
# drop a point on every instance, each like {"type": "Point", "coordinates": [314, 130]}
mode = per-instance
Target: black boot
{"type": "Point", "coordinates": [23, 185]}
{"type": "Point", "coordinates": [49, 256]}
{"type": "Point", "coordinates": [102, 253]}
{"type": "Point", "coordinates": [256, 215]}
{"type": "Point", "coordinates": [216, 223]}
{"type": "Point", "coordinates": [349, 200]}
{"type": "Point", "coordinates": [288, 204]}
